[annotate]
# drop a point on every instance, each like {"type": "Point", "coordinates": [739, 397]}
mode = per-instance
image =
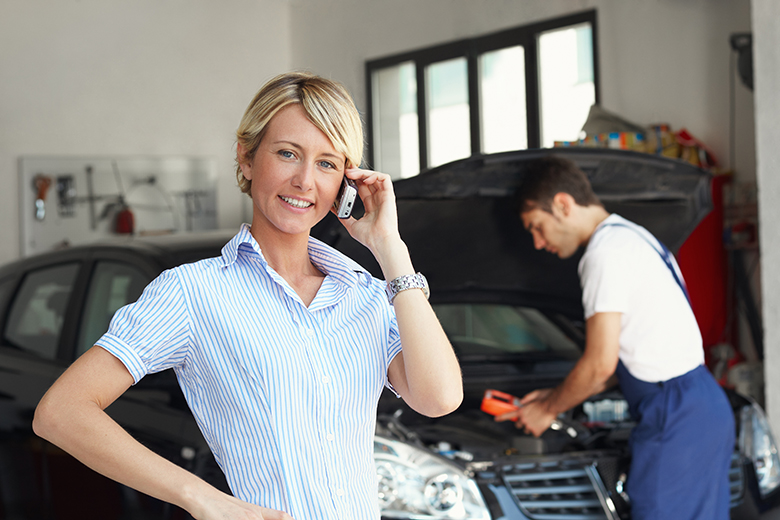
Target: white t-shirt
{"type": "Point", "coordinates": [622, 270]}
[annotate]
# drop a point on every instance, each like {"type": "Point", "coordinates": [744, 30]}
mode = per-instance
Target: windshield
{"type": "Point", "coordinates": [496, 330]}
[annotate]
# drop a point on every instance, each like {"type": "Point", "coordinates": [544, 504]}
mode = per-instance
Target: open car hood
{"type": "Point", "coordinates": [464, 235]}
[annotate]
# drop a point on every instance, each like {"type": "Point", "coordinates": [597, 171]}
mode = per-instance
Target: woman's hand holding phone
{"type": "Point", "coordinates": [377, 229]}
{"type": "Point", "coordinates": [345, 200]}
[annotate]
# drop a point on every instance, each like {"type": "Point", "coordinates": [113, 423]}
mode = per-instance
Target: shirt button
{"type": "Point", "coordinates": [310, 333]}
{"type": "Point", "coordinates": [330, 437]}
{"type": "Point", "coordinates": [325, 379]}
{"type": "Point", "coordinates": [340, 492]}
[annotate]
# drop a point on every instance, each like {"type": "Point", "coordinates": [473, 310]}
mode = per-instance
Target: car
{"type": "Point", "coordinates": [513, 315]}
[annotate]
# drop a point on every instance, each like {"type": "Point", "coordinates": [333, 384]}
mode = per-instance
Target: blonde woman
{"type": "Point", "coordinates": [281, 345]}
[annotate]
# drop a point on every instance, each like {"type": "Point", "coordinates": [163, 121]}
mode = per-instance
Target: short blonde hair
{"type": "Point", "coordinates": [326, 103]}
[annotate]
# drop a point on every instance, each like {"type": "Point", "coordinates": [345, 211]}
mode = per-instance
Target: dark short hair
{"type": "Point", "coordinates": [548, 176]}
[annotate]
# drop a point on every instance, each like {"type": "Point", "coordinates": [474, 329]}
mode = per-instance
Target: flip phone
{"type": "Point", "coordinates": [345, 200]}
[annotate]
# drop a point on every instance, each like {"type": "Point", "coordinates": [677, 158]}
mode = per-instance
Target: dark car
{"type": "Point", "coordinates": [512, 313]}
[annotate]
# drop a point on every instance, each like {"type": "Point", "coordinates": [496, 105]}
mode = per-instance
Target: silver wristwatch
{"type": "Point", "coordinates": [407, 281]}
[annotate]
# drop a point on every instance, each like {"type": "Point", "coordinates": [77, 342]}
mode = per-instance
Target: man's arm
{"type": "Point", "coordinates": [71, 415]}
{"type": "Point", "coordinates": [593, 373]}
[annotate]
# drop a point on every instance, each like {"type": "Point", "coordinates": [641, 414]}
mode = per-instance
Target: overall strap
{"type": "Point", "coordinates": [665, 254]}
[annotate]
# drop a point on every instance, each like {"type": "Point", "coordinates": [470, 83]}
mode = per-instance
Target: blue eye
{"type": "Point", "coordinates": [327, 164]}
{"type": "Point", "coordinates": [286, 153]}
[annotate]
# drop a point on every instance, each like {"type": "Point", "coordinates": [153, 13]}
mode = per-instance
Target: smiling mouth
{"type": "Point", "coordinates": [302, 204]}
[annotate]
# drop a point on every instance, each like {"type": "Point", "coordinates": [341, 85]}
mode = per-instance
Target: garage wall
{"type": "Point", "coordinates": [766, 44]}
{"type": "Point", "coordinates": [661, 60]}
{"type": "Point", "coordinates": [147, 77]}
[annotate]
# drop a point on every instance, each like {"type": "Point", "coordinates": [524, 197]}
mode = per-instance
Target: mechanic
{"type": "Point", "coordinates": [282, 345]}
{"type": "Point", "coordinates": [640, 333]}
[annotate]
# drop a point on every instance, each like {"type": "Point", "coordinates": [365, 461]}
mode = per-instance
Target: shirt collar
{"type": "Point", "coordinates": [230, 250]}
{"type": "Point", "coordinates": [325, 258]}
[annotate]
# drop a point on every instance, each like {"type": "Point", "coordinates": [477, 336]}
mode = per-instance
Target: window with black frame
{"type": "Point", "coordinates": [520, 88]}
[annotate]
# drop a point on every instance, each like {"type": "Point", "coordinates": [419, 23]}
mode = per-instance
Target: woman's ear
{"type": "Point", "coordinates": [246, 168]}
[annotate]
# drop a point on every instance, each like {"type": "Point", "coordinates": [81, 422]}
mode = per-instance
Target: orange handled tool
{"type": "Point", "coordinates": [497, 403]}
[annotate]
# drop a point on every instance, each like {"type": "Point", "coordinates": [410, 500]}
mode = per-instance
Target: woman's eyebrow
{"type": "Point", "coordinates": [299, 147]}
{"type": "Point", "coordinates": [290, 143]}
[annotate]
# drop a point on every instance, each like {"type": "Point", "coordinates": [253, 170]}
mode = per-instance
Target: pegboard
{"type": "Point", "coordinates": [75, 200]}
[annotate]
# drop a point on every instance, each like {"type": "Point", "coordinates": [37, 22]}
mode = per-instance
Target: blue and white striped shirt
{"type": "Point", "coordinates": [285, 395]}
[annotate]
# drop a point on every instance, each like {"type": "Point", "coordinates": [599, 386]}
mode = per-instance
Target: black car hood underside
{"type": "Point", "coordinates": [463, 232]}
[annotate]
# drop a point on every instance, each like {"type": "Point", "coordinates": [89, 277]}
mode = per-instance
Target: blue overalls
{"type": "Point", "coordinates": [682, 444]}
{"type": "Point", "coordinates": [681, 447]}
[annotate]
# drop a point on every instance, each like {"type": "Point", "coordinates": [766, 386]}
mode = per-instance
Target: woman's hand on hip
{"type": "Point", "coordinates": [226, 507]}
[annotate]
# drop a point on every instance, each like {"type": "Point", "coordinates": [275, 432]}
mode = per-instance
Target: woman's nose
{"type": "Point", "coordinates": [304, 177]}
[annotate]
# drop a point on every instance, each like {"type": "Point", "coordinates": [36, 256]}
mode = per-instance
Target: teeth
{"type": "Point", "coordinates": [296, 203]}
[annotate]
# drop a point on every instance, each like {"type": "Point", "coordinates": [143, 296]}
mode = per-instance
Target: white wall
{"type": "Point", "coordinates": [766, 44]}
{"type": "Point", "coordinates": [660, 60]}
{"type": "Point", "coordinates": [147, 77]}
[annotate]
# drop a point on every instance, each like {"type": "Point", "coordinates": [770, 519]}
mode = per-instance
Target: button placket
{"type": "Point", "coordinates": [312, 341]}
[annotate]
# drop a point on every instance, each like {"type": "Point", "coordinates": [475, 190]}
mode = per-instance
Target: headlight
{"type": "Point", "coordinates": [414, 483]}
{"type": "Point", "coordinates": [757, 443]}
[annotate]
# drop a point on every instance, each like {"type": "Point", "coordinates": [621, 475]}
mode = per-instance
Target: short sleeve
{"type": "Point", "coordinates": [606, 275]}
{"type": "Point", "coordinates": [152, 334]}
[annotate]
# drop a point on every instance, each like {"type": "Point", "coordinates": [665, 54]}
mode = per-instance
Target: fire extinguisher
{"type": "Point", "coordinates": [125, 220]}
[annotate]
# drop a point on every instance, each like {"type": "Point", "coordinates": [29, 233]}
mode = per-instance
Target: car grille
{"type": "Point", "coordinates": [569, 488]}
{"type": "Point", "coordinates": [580, 486]}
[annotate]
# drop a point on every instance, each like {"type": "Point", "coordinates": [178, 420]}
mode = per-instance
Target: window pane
{"type": "Point", "coordinates": [113, 285]}
{"type": "Point", "coordinates": [396, 139]}
{"type": "Point", "coordinates": [502, 100]}
{"type": "Point", "coordinates": [449, 137]}
{"type": "Point", "coordinates": [38, 311]}
{"type": "Point", "coordinates": [567, 89]}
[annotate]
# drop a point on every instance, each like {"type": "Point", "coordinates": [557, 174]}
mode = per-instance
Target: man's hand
{"type": "Point", "coordinates": [534, 416]}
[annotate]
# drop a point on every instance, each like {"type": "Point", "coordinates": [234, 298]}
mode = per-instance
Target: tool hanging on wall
{"type": "Point", "coordinates": [125, 220]}
{"type": "Point", "coordinates": [41, 184]}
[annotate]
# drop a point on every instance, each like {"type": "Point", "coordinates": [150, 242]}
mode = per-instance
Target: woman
{"type": "Point", "coordinates": [282, 345]}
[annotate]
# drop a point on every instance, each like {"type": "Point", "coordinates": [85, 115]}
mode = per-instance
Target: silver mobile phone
{"type": "Point", "coordinates": [345, 200]}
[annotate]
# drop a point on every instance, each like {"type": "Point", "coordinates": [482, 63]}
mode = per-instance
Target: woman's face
{"type": "Point", "coordinates": [295, 174]}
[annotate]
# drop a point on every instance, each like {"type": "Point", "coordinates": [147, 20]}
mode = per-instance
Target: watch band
{"type": "Point", "coordinates": [407, 281]}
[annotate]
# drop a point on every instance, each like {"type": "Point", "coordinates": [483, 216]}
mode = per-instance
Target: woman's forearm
{"type": "Point", "coordinates": [431, 377]}
{"type": "Point", "coordinates": [427, 374]}
{"type": "Point", "coordinates": [71, 415]}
